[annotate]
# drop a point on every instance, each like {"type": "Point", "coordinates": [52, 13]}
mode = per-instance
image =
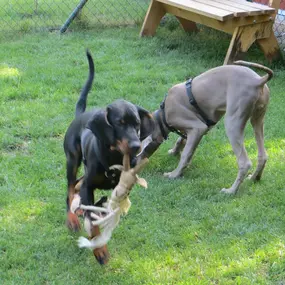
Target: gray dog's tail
{"type": "Point", "coordinates": [265, 78]}
{"type": "Point", "coordinates": [81, 103]}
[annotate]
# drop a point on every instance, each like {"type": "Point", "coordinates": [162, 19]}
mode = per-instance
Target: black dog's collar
{"type": "Point", "coordinates": [193, 102]}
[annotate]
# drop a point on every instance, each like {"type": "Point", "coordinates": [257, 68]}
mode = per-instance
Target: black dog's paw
{"type": "Point", "coordinates": [73, 222]}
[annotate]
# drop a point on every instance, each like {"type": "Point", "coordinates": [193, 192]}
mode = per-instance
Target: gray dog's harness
{"type": "Point", "coordinates": [171, 129]}
{"type": "Point", "coordinates": [193, 102]}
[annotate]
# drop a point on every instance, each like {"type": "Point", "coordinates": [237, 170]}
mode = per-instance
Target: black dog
{"type": "Point", "coordinates": [99, 138]}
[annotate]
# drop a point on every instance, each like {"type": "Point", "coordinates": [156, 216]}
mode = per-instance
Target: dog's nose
{"type": "Point", "coordinates": [134, 147]}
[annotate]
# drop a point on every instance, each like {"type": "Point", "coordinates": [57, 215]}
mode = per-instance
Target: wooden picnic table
{"type": "Point", "coordinates": [247, 22]}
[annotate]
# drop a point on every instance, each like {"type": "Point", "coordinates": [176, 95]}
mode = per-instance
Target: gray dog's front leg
{"type": "Point", "coordinates": [177, 147]}
{"type": "Point", "coordinates": [148, 150]}
{"type": "Point", "coordinates": [194, 136]}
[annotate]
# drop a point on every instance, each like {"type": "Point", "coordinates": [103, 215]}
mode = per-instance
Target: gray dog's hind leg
{"type": "Point", "coordinates": [235, 133]}
{"type": "Point", "coordinates": [257, 122]}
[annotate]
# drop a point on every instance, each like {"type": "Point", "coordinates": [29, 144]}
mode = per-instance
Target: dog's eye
{"type": "Point", "coordinates": [122, 122]}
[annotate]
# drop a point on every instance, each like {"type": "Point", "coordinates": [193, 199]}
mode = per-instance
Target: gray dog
{"type": "Point", "coordinates": [191, 108]}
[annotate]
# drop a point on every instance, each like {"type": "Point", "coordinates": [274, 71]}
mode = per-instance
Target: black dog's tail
{"type": "Point", "coordinates": [81, 103]}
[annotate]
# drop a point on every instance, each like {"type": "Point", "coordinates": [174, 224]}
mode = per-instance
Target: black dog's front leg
{"type": "Point", "coordinates": [87, 198]}
{"type": "Point", "coordinates": [86, 193]}
{"type": "Point", "coordinates": [73, 161]}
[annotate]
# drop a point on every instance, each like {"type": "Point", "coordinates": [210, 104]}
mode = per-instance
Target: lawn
{"type": "Point", "coordinates": [176, 232]}
{"type": "Point", "coordinates": [26, 15]}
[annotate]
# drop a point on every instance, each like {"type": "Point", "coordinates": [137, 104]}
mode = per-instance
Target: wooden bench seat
{"type": "Point", "coordinates": [246, 21]}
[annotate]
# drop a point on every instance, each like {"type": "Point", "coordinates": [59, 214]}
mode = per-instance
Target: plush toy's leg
{"type": "Point", "coordinates": [101, 254]}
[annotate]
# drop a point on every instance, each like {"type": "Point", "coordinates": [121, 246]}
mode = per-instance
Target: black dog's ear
{"type": "Point", "coordinates": [101, 128]}
{"type": "Point", "coordinates": [147, 122]}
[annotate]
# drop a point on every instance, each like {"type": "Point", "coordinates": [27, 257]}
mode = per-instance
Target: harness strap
{"type": "Point", "coordinates": [156, 114]}
{"type": "Point", "coordinates": [193, 102]}
{"type": "Point", "coordinates": [171, 129]}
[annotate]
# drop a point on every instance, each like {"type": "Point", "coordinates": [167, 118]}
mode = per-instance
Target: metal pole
{"type": "Point", "coordinates": [72, 16]}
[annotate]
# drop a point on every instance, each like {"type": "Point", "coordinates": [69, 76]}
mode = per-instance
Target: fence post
{"type": "Point", "coordinates": [72, 16]}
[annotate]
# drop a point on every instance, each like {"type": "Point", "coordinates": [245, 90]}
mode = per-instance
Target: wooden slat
{"type": "Point", "coordinates": [244, 37]}
{"type": "Point", "coordinates": [152, 19]}
{"type": "Point", "coordinates": [238, 12]}
{"type": "Point", "coordinates": [199, 8]}
{"type": "Point", "coordinates": [266, 9]}
{"type": "Point", "coordinates": [225, 26]}
{"type": "Point", "coordinates": [223, 15]}
{"type": "Point", "coordinates": [270, 47]}
{"type": "Point", "coordinates": [252, 4]}
{"type": "Point", "coordinates": [251, 11]}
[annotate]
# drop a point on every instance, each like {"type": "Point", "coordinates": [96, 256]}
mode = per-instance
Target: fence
{"type": "Point", "coordinates": [24, 15]}
{"type": "Point", "coordinates": [27, 15]}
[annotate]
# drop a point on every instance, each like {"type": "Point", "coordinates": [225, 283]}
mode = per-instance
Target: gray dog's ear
{"type": "Point", "coordinates": [101, 128]}
{"type": "Point", "coordinates": [147, 122]}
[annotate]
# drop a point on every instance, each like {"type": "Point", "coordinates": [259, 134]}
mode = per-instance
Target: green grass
{"type": "Point", "coordinates": [177, 232]}
{"type": "Point", "coordinates": [26, 15]}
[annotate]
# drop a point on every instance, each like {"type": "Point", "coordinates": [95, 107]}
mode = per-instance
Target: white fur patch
{"type": "Point", "coordinates": [107, 228]}
{"type": "Point", "coordinates": [88, 226]}
{"type": "Point", "coordinates": [76, 202]}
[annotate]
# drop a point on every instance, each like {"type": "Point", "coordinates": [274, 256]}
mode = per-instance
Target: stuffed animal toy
{"type": "Point", "coordinates": [108, 216]}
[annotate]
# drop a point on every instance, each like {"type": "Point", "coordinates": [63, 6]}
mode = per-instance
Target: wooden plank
{"type": "Point", "coordinates": [266, 9]}
{"type": "Point", "coordinates": [199, 8]}
{"type": "Point", "coordinates": [251, 11]}
{"type": "Point", "coordinates": [276, 4]}
{"type": "Point", "coordinates": [238, 12]}
{"type": "Point", "coordinates": [187, 25]}
{"type": "Point", "coordinates": [152, 19]}
{"type": "Point", "coordinates": [270, 47]}
{"type": "Point", "coordinates": [253, 4]}
{"type": "Point", "coordinates": [226, 26]}
{"type": "Point", "coordinates": [244, 37]}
